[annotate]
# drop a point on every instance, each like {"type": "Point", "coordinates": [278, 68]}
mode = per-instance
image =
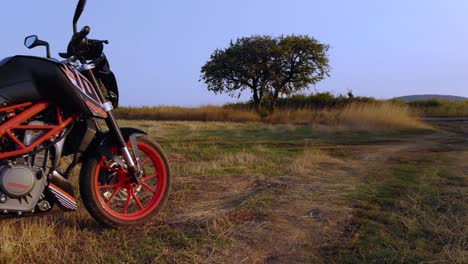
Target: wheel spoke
{"type": "Point", "coordinates": [136, 200]}
{"type": "Point", "coordinates": [145, 161]}
{"type": "Point", "coordinates": [146, 186]}
{"type": "Point", "coordinates": [113, 196]}
{"type": "Point", "coordinates": [102, 161]}
{"type": "Point", "coordinates": [108, 186]}
{"type": "Point", "coordinates": [149, 177]}
{"type": "Point", "coordinates": [127, 203]}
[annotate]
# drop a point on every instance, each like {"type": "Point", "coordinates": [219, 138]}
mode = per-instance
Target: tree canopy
{"type": "Point", "coordinates": [267, 67]}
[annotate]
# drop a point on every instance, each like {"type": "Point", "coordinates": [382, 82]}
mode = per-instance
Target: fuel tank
{"type": "Point", "coordinates": [31, 79]}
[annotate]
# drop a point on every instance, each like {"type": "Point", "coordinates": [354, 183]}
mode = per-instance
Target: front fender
{"type": "Point", "coordinates": [106, 140]}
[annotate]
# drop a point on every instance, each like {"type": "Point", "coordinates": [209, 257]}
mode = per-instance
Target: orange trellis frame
{"type": "Point", "coordinates": [29, 110]}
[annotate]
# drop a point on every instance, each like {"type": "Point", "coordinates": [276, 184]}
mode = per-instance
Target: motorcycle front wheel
{"type": "Point", "coordinates": [113, 200]}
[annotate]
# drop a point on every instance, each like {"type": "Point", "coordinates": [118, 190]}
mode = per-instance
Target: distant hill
{"type": "Point", "coordinates": [431, 96]}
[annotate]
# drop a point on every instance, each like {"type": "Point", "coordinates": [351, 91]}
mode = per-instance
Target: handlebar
{"type": "Point", "coordinates": [79, 38]}
{"type": "Point", "coordinates": [80, 46]}
{"type": "Point", "coordinates": [83, 48]}
{"type": "Point", "coordinates": [77, 43]}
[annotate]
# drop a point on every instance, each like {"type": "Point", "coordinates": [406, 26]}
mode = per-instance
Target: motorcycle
{"type": "Point", "coordinates": [51, 109]}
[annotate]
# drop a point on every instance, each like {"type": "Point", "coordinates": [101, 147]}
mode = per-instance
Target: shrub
{"type": "Point", "coordinates": [313, 101]}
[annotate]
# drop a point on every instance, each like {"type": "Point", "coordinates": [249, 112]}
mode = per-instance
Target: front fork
{"type": "Point", "coordinates": [132, 166]}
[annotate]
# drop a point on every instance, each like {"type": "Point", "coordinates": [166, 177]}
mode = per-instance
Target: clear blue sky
{"type": "Point", "coordinates": [380, 48]}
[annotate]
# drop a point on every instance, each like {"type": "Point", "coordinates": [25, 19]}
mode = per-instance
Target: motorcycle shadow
{"type": "Point", "coordinates": [58, 218]}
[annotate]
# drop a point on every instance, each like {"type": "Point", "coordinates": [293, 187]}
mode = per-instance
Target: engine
{"type": "Point", "coordinates": [23, 179]}
{"type": "Point", "coordinates": [21, 187]}
{"type": "Point", "coordinates": [18, 181]}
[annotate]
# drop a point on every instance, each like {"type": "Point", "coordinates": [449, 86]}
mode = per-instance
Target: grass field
{"type": "Point", "coordinates": [362, 116]}
{"type": "Point", "coordinates": [263, 193]}
{"type": "Point", "coordinates": [370, 114]}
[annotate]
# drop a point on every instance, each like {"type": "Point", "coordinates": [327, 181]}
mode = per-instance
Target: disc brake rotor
{"type": "Point", "coordinates": [122, 195]}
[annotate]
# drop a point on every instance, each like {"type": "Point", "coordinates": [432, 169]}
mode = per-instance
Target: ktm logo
{"type": "Point", "coordinates": [17, 185]}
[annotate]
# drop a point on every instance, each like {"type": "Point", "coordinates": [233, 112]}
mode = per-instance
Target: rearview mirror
{"type": "Point", "coordinates": [31, 41]}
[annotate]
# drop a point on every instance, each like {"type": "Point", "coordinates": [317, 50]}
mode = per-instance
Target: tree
{"type": "Point", "coordinates": [268, 67]}
{"type": "Point", "coordinates": [241, 66]}
{"type": "Point", "coordinates": [297, 63]}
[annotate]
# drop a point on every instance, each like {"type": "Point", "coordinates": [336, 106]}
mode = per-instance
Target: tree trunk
{"type": "Point", "coordinates": [273, 101]}
{"type": "Point", "coordinates": [256, 100]}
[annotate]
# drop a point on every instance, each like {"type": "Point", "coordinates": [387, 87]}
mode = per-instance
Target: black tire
{"type": "Point", "coordinates": [103, 213]}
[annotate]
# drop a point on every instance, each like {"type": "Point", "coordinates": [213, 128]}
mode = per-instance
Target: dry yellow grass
{"type": "Point", "coordinates": [379, 116]}
{"type": "Point", "coordinates": [312, 160]}
{"type": "Point", "coordinates": [372, 116]}
{"type": "Point", "coordinates": [305, 116]}
{"type": "Point", "coordinates": [203, 113]}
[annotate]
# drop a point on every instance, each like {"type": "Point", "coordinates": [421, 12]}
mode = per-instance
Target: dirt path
{"type": "Point", "coordinates": [310, 208]}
